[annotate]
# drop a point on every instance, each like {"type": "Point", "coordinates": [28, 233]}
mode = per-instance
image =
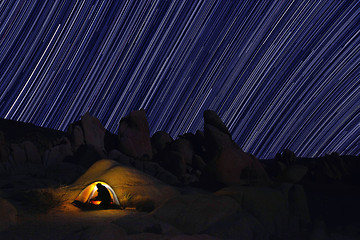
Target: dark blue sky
{"type": "Point", "coordinates": [281, 74]}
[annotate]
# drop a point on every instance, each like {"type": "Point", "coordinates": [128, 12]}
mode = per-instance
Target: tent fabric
{"type": "Point", "coordinates": [90, 192]}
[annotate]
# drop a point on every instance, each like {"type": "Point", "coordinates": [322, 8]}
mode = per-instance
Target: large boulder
{"type": "Point", "coordinates": [58, 153]}
{"type": "Point", "coordinates": [2, 137]}
{"type": "Point", "coordinates": [281, 211]}
{"type": "Point", "coordinates": [86, 155]}
{"type": "Point", "coordinates": [211, 118]}
{"type": "Point", "coordinates": [18, 154]}
{"type": "Point", "coordinates": [177, 158]}
{"type": "Point", "coordinates": [88, 131]}
{"type": "Point", "coordinates": [120, 157]}
{"type": "Point", "coordinates": [94, 131]}
{"type": "Point", "coordinates": [23, 153]}
{"type": "Point", "coordinates": [267, 205]}
{"type": "Point", "coordinates": [287, 157]}
{"type": "Point", "coordinates": [195, 213]}
{"type": "Point", "coordinates": [298, 207]}
{"type": "Point", "coordinates": [76, 136]}
{"type": "Point", "coordinates": [334, 167]}
{"type": "Point", "coordinates": [174, 162]}
{"type": "Point", "coordinates": [159, 141]}
{"type": "Point", "coordinates": [4, 150]}
{"type": "Point", "coordinates": [198, 163]}
{"type": "Point", "coordinates": [4, 153]}
{"type": "Point", "coordinates": [198, 142]}
{"type": "Point", "coordinates": [184, 147]}
{"type": "Point", "coordinates": [155, 170]}
{"type": "Point", "coordinates": [134, 135]}
{"type": "Point", "coordinates": [8, 214]}
{"type": "Point", "coordinates": [293, 173]}
{"type": "Point", "coordinates": [110, 141]}
{"type": "Point", "coordinates": [31, 151]}
{"type": "Point", "coordinates": [228, 163]}
{"type": "Point", "coordinates": [64, 173]}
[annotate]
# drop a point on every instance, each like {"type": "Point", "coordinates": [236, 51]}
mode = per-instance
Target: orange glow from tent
{"type": "Point", "coordinates": [88, 194]}
{"type": "Point", "coordinates": [95, 202]}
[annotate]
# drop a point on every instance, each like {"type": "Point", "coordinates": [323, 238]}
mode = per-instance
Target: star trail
{"type": "Point", "coordinates": [280, 74]}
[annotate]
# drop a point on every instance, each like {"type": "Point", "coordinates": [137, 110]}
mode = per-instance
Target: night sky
{"type": "Point", "coordinates": [280, 74]}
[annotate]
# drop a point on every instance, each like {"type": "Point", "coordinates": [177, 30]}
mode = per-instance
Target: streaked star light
{"type": "Point", "coordinates": [280, 74]}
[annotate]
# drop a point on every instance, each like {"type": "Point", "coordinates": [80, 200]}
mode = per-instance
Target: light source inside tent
{"type": "Point", "coordinates": [89, 194]}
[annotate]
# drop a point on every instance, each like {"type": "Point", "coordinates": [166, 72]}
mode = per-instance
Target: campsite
{"type": "Point", "coordinates": [54, 185]}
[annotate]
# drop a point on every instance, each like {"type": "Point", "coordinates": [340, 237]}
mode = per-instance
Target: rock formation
{"type": "Point", "coordinates": [58, 153]}
{"type": "Point", "coordinates": [93, 130]}
{"type": "Point", "coordinates": [218, 191]}
{"type": "Point", "coordinates": [159, 141]}
{"type": "Point", "coordinates": [8, 214]}
{"type": "Point", "coordinates": [195, 213]}
{"type": "Point", "coordinates": [76, 136]}
{"type": "Point", "coordinates": [134, 135]}
{"type": "Point", "coordinates": [89, 131]}
{"type": "Point", "coordinates": [226, 160]}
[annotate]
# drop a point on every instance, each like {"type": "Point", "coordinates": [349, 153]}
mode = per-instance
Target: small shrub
{"type": "Point", "coordinates": [43, 200]}
{"type": "Point", "coordinates": [128, 196]}
{"type": "Point", "coordinates": [126, 200]}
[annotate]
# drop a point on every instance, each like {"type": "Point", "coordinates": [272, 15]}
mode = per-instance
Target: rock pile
{"type": "Point", "coordinates": [248, 199]}
{"type": "Point", "coordinates": [208, 158]}
{"type": "Point", "coordinates": [226, 160]}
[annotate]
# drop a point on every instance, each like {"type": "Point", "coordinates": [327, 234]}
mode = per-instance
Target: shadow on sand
{"type": "Point", "coordinates": [89, 206]}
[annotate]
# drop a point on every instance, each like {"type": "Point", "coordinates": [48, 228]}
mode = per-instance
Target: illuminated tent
{"type": "Point", "coordinates": [88, 195]}
{"type": "Point", "coordinates": [121, 181]}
